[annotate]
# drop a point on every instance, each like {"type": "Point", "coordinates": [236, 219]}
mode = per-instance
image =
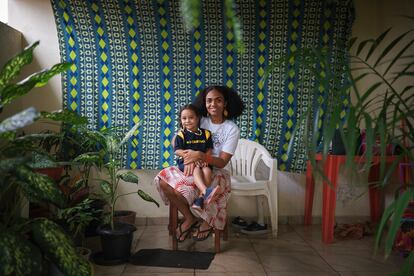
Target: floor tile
{"type": "Point", "coordinates": [101, 270]}
{"type": "Point", "coordinates": [298, 250]}
{"type": "Point", "coordinates": [343, 259]}
{"type": "Point", "coordinates": [294, 262]}
{"type": "Point", "coordinates": [232, 263]}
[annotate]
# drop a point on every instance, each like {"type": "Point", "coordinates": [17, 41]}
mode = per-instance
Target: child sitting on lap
{"type": "Point", "coordinates": [192, 137]}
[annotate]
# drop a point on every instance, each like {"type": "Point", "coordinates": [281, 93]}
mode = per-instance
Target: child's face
{"type": "Point", "coordinates": [189, 120]}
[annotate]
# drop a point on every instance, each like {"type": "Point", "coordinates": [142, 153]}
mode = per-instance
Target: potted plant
{"type": "Point", "coordinates": [26, 245]}
{"type": "Point", "coordinates": [75, 219]}
{"type": "Point", "coordinates": [52, 153]}
{"type": "Point", "coordinates": [116, 237]}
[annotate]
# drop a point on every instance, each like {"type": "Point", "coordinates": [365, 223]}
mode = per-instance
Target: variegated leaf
{"type": "Point", "coordinates": [59, 248]}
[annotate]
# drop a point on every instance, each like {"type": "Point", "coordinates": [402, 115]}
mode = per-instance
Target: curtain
{"type": "Point", "coordinates": [134, 61]}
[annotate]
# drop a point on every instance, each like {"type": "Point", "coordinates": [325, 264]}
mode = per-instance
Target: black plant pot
{"type": "Point", "coordinates": [116, 243]}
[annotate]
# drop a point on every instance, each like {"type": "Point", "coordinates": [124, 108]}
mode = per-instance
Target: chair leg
{"type": "Point", "coordinates": [170, 228]}
{"type": "Point", "coordinates": [225, 233]}
{"type": "Point", "coordinates": [273, 216]}
{"type": "Point", "coordinates": [217, 240]}
{"type": "Point", "coordinates": [260, 209]}
{"type": "Point", "coordinates": [173, 225]}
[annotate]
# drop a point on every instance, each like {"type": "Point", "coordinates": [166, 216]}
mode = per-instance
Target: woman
{"type": "Point", "coordinates": [218, 104]}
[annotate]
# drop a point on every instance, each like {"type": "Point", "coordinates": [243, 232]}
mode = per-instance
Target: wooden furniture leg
{"type": "Point", "coordinates": [329, 199]}
{"type": "Point", "coordinates": [375, 195]}
{"type": "Point", "coordinates": [172, 227]}
{"type": "Point", "coordinates": [309, 194]}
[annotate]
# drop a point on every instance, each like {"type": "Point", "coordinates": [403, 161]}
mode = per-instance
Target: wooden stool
{"type": "Point", "coordinates": [173, 223]}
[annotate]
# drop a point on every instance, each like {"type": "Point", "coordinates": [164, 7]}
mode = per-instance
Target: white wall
{"type": "Point", "coordinates": [35, 20]}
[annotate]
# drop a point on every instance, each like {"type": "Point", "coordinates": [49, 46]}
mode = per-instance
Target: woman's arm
{"type": "Point", "coordinates": [217, 161]}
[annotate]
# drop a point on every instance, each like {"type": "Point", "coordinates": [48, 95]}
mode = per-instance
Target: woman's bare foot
{"type": "Point", "coordinates": [184, 228]}
{"type": "Point", "coordinates": [203, 231]}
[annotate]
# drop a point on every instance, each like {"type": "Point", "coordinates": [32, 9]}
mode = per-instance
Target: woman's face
{"type": "Point", "coordinates": [215, 104]}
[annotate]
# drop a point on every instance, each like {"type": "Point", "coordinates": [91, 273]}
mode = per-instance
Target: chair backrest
{"type": "Point", "coordinates": [247, 157]}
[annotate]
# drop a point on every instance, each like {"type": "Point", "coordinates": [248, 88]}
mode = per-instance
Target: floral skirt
{"type": "Point", "coordinates": [214, 213]}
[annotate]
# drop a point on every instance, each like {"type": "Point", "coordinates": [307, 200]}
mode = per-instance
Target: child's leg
{"type": "Point", "coordinates": [207, 174]}
{"type": "Point", "coordinates": [211, 192]}
{"type": "Point", "coordinates": [199, 180]}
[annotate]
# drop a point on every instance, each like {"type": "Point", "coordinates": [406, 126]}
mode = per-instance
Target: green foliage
{"type": "Point", "coordinates": [19, 256]}
{"type": "Point", "coordinates": [377, 82]}
{"type": "Point", "coordinates": [78, 217]}
{"type": "Point", "coordinates": [110, 142]}
{"type": "Point", "coordinates": [191, 13]}
{"type": "Point", "coordinates": [39, 187]}
{"type": "Point", "coordinates": [129, 177]}
{"type": "Point", "coordinates": [59, 248]}
{"type": "Point", "coordinates": [19, 253]}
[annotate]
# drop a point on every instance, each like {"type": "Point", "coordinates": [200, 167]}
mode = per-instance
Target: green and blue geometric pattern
{"type": "Point", "coordinates": [134, 61]}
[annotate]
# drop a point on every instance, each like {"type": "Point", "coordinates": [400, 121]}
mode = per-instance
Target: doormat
{"type": "Point", "coordinates": [172, 258]}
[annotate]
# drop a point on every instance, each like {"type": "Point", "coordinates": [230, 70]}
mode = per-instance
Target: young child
{"type": "Point", "coordinates": [191, 136]}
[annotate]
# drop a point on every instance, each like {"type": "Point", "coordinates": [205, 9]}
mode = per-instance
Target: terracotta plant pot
{"type": "Point", "coordinates": [84, 252]}
{"type": "Point", "coordinates": [54, 173]}
{"type": "Point", "coordinates": [125, 216]}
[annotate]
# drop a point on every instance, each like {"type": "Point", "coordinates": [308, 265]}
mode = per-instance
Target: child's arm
{"type": "Point", "coordinates": [180, 152]}
{"type": "Point", "coordinates": [179, 144]}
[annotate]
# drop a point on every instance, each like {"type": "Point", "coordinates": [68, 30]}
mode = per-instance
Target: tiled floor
{"type": "Point", "coordinates": [298, 250]}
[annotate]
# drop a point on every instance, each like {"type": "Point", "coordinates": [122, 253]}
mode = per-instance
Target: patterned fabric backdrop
{"type": "Point", "coordinates": [134, 60]}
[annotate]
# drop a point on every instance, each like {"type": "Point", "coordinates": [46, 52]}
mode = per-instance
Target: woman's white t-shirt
{"type": "Point", "coordinates": [225, 135]}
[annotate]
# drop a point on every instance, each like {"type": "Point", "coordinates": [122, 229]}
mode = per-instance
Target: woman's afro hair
{"type": "Point", "coordinates": [234, 104]}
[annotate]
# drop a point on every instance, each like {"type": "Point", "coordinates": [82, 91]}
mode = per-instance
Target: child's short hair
{"type": "Point", "coordinates": [190, 107]}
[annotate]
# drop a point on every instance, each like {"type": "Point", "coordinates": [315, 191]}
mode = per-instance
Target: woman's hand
{"type": "Point", "coordinates": [191, 156]}
{"type": "Point", "coordinates": [189, 169]}
{"type": "Point", "coordinates": [201, 164]}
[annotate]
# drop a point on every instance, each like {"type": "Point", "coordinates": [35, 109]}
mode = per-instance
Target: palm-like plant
{"type": "Point", "coordinates": [387, 108]}
{"type": "Point", "coordinates": [376, 84]}
{"type": "Point", "coordinates": [25, 244]}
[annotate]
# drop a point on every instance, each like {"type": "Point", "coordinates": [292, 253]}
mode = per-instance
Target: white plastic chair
{"type": "Point", "coordinates": [243, 177]}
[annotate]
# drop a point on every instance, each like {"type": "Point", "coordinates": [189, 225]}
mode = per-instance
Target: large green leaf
{"type": "Point", "coordinates": [13, 67]}
{"type": "Point", "coordinates": [41, 161]}
{"type": "Point", "coordinates": [10, 164]}
{"type": "Point", "coordinates": [377, 43]}
{"type": "Point", "coordinates": [190, 11]}
{"type": "Point", "coordinates": [39, 79]}
{"type": "Point", "coordinates": [93, 158]}
{"type": "Point", "coordinates": [147, 197]}
{"type": "Point", "coordinates": [39, 187]}
{"type": "Point", "coordinates": [19, 120]}
{"type": "Point", "coordinates": [18, 256]}
{"type": "Point", "coordinates": [59, 248]}
{"type": "Point", "coordinates": [233, 23]}
{"type": "Point", "coordinates": [129, 177]}
{"type": "Point", "coordinates": [106, 187]}
{"type": "Point", "coordinates": [130, 132]}
{"type": "Point", "coordinates": [67, 116]}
